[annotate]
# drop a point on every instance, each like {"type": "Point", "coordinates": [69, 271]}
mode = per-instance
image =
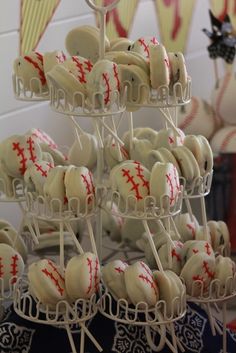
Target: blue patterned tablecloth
{"type": "Point", "coordinates": [20, 336]}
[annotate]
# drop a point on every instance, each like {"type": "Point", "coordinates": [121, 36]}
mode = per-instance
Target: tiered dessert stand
{"type": "Point", "coordinates": [161, 318]}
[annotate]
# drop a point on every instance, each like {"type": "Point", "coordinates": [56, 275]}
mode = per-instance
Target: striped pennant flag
{"type": "Point", "coordinates": [35, 17]}
{"type": "Point", "coordinates": [220, 8]}
{"type": "Point", "coordinates": [120, 19]}
{"type": "Point", "coordinates": [174, 18]}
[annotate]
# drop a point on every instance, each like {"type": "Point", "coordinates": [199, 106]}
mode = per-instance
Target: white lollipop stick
{"type": "Point", "coordinates": [71, 340]}
{"type": "Point", "coordinates": [175, 228]}
{"type": "Point", "coordinates": [112, 133]}
{"type": "Point", "coordinates": [154, 250]}
{"type": "Point", "coordinates": [118, 145]}
{"type": "Point", "coordinates": [102, 10]}
{"type": "Point", "coordinates": [188, 206]}
{"type": "Point", "coordinates": [170, 121]}
{"type": "Point", "coordinates": [91, 337]}
{"type": "Point", "coordinates": [131, 130]}
{"type": "Point", "coordinates": [99, 137]}
{"type": "Point", "coordinates": [82, 340]}
{"type": "Point", "coordinates": [91, 236]}
{"type": "Point", "coordinates": [77, 243]}
{"type": "Point", "coordinates": [204, 218]}
{"type": "Point", "coordinates": [62, 255]}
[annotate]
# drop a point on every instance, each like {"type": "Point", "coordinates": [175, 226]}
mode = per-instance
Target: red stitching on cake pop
{"type": "Point", "coordinates": [56, 270]}
{"type": "Point", "coordinates": [44, 138]}
{"type": "Point", "coordinates": [31, 149]}
{"type": "Point", "coordinates": [119, 269]}
{"type": "Point", "coordinates": [14, 265]}
{"type": "Point", "coordinates": [39, 56]}
{"type": "Point", "coordinates": [208, 248]}
{"type": "Point", "coordinates": [61, 57]}
{"type": "Point", "coordinates": [226, 140]}
{"type": "Point", "coordinates": [116, 75]}
{"type": "Point", "coordinates": [44, 173]}
{"type": "Point", "coordinates": [130, 179]}
{"type": "Point", "coordinates": [195, 251]}
{"type": "Point", "coordinates": [108, 88]}
{"type": "Point", "coordinates": [80, 67]}
{"type": "Point", "coordinates": [37, 67]}
{"type": "Point", "coordinates": [96, 279]}
{"type": "Point", "coordinates": [169, 181]}
{"type": "Point", "coordinates": [175, 254]}
{"type": "Point", "coordinates": [1, 268]}
{"type": "Point", "coordinates": [208, 272]}
{"type": "Point", "coordinates": [189, 118]}
{"type": "Point", "coordinates": [88, 185]}
{"type": "Point", "coordinates": [146, 268]}
{"type": "Point", "coordinates": [50, 275]}
{"type": "Point", "coordinates": [149, 278]}
{"type": "Point", "coordinates": [20, 153]}
{"type": "Point", "coordinates": [145, 47]}
{"type": "Point", "coordinates": [176, 177]}
{"type": "Point", "coordinates": [141, 176]}
{"type": "Point", "coordinates": [192, 228]}
{"type": "Point", "coordinates": [89, 65]}
{"type": "Point", "coordinates": [154, 40]}
{"type": "Point", "coordinates": [171, 140]}
{"type": "Point", "coordinates": [56, 282]}
{"type": "Point", "coordinates": [89, 263]}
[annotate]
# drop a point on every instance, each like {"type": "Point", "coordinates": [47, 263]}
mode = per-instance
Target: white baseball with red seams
{"type": "Point", "coordinates": [131, 179]}
{"type": "Point", "coordinates": [159, 66]}
{"type": "Point", "coordinates": [169, 139]}
{"type": "Point", "coordinates": [140, 284]}
{"type": "Point", "coordinates": [223, 99]}
{"type": "Point", "coordinates": [104, 80]}
{"type": "Point", "coordinates": [198, 272]}
{"type": "Point", "coordinates": [47, 144]}
{"type": "Point", "coordinates": [219, 234]}
{"type": "Point", "coordinates": [79, 184]}
{"type": "Point", "coordinates": [18, 153]}
{"type": "Point", "coordinates": [46, 282]}
{"type": "Point", "coordinates": [164, 181]}
{"type": "Point", "coordinates": [85, 156]}
{"type": "Point", "coordinates": [176, 256]}
{"type": "Point", "coordinates": [224, 140]}
{"type": "Point", "coordinates": [80, 67]}
{"type": "Point", "coordinates": [11, 266]}
{"type": "Point", "coordinates": [114, 153]}
{"type": "Point", "coordinates": [224, 272]}
{"type": "Point", "coordinates": [54, 188]}
{"type": "Point", "coordinates": [28, 68]}
{"type": "Point", "coordinates": [186, 226]}
{"type": "Point", "coordinates": [113, 277]}
{"type": "Point", "coordinates": [82, 276]}
{"type": "Point", "coordinates": [36, 175]}
{"type": "Point", "coordinates": [170, 289]}
{"type": "Point", "coordinates": [141, 46]}
{"type": "Point", "coordinates": [50, 59]}
{"type": "Point", "coordinates": [192, 247]}
{"type": "Point", "coordinates": [198, 118]}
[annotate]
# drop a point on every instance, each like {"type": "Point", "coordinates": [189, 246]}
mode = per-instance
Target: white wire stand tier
{"type": "Point", "coordinates": [151, 209]}
{"type": "Point", "coordinates": [63, 314]}
{"type": "Point", "coordinates": [217, 293]}
{"type": "Point", "coordinates": [163, 97]}
{"type": "Point", "coordinates": [12, 190]}
{"type": "Point", "coordinates": [33, 91]}
{"type": "Point", "coordinates": [159, 318]}
{"type": "Point", "coordinates": [199, 187]}
{"type": "Point", "coordinates": [78, 104]}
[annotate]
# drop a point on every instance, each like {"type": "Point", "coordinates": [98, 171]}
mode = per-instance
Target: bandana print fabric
{"type": "Point", "coordinates": [20, 336]}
